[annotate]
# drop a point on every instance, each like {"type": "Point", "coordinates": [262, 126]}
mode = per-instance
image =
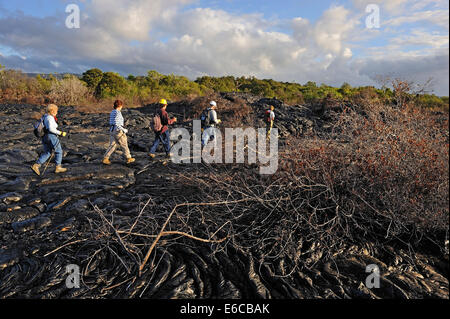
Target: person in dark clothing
{"type": "Point", "coordinates": [163, 135]}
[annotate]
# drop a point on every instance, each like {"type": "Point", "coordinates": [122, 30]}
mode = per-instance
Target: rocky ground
{"type": "Point", "coordinates": [49, 222]}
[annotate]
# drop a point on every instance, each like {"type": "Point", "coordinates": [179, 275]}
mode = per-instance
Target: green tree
{"type": "Point", "coordinates": [45, 85]}
{"type": "Point", "coordinates": [311, 84]}
{"type": "Point", "coordinates": [111, 85]}
{"type": "Point", "coordinates": [92, 78]}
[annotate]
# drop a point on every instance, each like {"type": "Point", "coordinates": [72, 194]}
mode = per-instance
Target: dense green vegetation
{"type": "Point", "coordinates": [149, 88]}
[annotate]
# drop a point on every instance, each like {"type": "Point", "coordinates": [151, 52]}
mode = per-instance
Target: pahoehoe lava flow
{"type": "Point", "coordinates": [105, 218]}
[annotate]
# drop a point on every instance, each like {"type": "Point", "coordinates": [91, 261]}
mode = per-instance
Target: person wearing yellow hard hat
{"type": "Point", "coordinates": [162, 133]}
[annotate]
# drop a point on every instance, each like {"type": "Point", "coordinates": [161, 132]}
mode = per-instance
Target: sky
{"type": "Point", "coordinates": [324, 41]}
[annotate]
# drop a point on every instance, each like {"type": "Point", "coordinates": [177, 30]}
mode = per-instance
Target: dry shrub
{"type": "Point", "coordinates": [69, 91]}
{"type": "Point", "coordinates": [92, 105]}
{"type": "Point", "coordinates": [16, 86]}
{"type": "Point", "coordinates": [387, 166]}
{"type": "Point", "coordinates": [381, 176]}
{"type": "Point", "coordinates": [233, 112]}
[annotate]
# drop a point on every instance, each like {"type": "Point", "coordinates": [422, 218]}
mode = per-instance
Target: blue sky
{"type": "Point", "coordinates": [323, 41]}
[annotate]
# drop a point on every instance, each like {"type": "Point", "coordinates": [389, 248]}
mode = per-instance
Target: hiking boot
{"type": "Point", "coordinates": [35, 169]}
{"type": "Point", "coordinates": [60, 169]}
{"type": "Point", "coordinates": [131, 160]}
{"type": "Point", "coordinates": [106, 161]}
{"type": "Point", "coordinates": [152, 155]}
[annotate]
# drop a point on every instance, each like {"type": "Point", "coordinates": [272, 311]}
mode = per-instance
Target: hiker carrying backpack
{"type": "Point", "coordinates": [209, 123]}
{"type": "Point", "coordinates": [205, 118]}
{"type": "Point", "coordinates": [160, 125]}
{"type": "Point", "coordinates": [269, 118]}
{"type": "Point", "coordinates": [269, 115]}
{"type": "Point", "coordinates": [47, 129]}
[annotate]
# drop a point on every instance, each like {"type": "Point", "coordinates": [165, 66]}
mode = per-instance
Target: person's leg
{"type": "Point", "coordinates": [47, 152]}
{"type": "Point", "coordinates": [123, 142]}
{"type": "Point", "coordinates": [112, 146]}
{"type": "Point", "coordinates": [155, 145]}
{"type": "Point", "coordinates": [213, 136]}
{"type": "Point", "coordinates": [205, 138]}
{"type": "Point", "coordinates": [166, 140]}
{"type": "Point", "coordinates": [58, 152]}
{"type": "Point", "coordinates": [269, 129]}
{"type": "Point", "coordinates": [56, 146]}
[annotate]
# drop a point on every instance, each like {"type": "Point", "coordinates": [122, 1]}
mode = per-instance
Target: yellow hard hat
{"type": "Point", "coordinates": [163, 101]}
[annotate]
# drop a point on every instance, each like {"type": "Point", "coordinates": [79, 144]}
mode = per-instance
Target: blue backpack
{"type": "Point", "coordinates": [39, 128]}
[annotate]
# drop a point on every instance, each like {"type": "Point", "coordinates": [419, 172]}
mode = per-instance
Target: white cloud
{"type": "Point", "coordinates": [136, 36]}
{"type": "Point", "coordinates": [438, 17]}
{"type": "Point", "coordinates": [422, 38]}
{"type": "Point", "coordinates": [131, 19]}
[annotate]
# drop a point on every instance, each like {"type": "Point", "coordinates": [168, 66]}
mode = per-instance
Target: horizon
{"type": "Point", "coordinates": [330, 42]}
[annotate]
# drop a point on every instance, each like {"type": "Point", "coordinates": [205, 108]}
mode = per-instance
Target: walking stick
{"type": "Point", "coordinates": [162, 142]}
{"type": "Point", "coordinates": [51, 157]}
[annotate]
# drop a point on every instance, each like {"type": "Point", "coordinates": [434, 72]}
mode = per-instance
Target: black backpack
{"type": "Point", "coordinates": [39, 128]}
{"type": "Point", "coordinates": [204, 117]}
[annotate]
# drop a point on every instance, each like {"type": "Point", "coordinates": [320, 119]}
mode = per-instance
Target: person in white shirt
{"type": "Point", "coordinates": [270, 118]}
{"type": "Point", "coordinates": [51, 141]}
{"type": "Point", "coordinates": [208, 131]}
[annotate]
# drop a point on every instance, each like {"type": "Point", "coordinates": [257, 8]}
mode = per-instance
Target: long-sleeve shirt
{"type": "Point", "coordinates": [165, 121]}
{"type": "Point", "coordinates": [51, 125]}
{"type": "Point", "coordinates": [213, 118]}
{"type": "Point", "coordinates": [116, 121]}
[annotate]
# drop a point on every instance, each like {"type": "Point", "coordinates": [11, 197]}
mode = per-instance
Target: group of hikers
{"type": "Point", "coordinates": [118, 133]}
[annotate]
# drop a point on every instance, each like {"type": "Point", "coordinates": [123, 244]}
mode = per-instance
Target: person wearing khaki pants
{"type": "Point", "coordinates": [118, 134]}
{"type": "Point", "coordinates": [117, 138]}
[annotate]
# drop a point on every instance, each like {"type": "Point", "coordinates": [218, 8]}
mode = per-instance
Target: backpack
{"type": "Point", "coordinates": [39, 128]}
{"type": "Point", "coordinates": [155, 123]}
{"type": "Point", "coordinates": [267, 116]}
{"type": "Point", "coordinates": [204, 117]}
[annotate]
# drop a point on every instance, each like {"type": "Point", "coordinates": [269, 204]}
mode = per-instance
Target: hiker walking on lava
{"type": "Point", "coordinates": [161, 129]}
{"type": "Point", "coordinates": [209, 122]}
{"type": "Point", "coordinates": [117, 134]}
{"type": "Point", "coordinates": [50, 141]}
{"type": "Point", "coordinates": [270, 118]}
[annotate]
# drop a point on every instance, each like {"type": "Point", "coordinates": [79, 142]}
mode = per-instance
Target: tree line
{"type": "Point", "coordinates": [96, 85]}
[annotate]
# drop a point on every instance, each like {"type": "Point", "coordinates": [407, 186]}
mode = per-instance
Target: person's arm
{"type": "Point", "coordinates": [52, 126]}
{"type": "Point", "coordinates": [118, 122]}
{"type": "Point", "coordinates": [165, 120]}
{"type": "Point", "coordinates": [171, 121]}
